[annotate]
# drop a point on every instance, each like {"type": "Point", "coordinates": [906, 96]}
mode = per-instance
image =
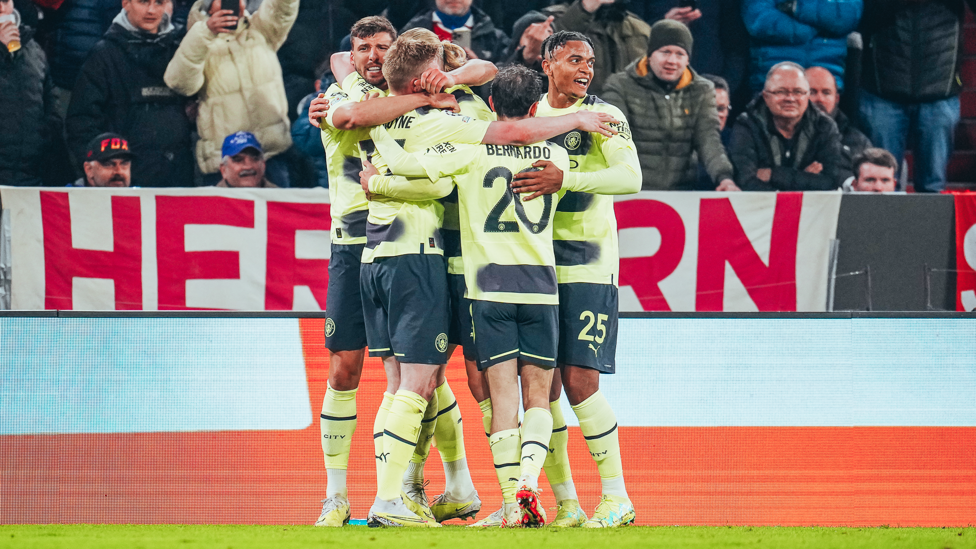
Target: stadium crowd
{"type": "Point", "coordinates": [720, 94]}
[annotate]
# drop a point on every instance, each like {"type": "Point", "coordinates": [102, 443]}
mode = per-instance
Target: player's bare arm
{"type": "Point", "coordinates": [534, 130]}
{"type": "Point", "coordinates": [475, 72]}
{"type": "Point", "coordinates": [373, 112]}
{"type": "Point", "coordinates": [341, 64]}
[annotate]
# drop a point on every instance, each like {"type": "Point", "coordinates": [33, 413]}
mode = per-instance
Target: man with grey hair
{"type": "Point", "coordinates": [780, 144]}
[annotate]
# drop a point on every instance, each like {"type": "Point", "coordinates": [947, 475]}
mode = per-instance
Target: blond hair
{"type": "Point", "coordinates": [406, 60]}
{"type": "Point", "coordinates": [451, 55]}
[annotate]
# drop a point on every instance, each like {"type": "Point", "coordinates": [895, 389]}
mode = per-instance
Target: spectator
{"type": "Point", "coordinates": [231, 63]}
{"type": "Point", "coordinates": [468, 27]}
{"type": "Point", "coordinates": [824, 96]}
{"type": "Point", "coordinates": [305, 49]}
{"type": "Point", "coordinates": [723, 105]}
{"type": "Point", "coordinates": [82, 24]}
{"type": "Point", "coordinates": [107, 162]}
{"type": "Point", "coordinates": [242, 162]}
{"type": "Point", "coordinates": [672, 113]}
{"type": "Point", "coordinates": [807, 32]}
{"type": "Point", "coordinates": [26, 101]}
{"type": "Point", "coordinates": [528, 33]}
{"type": "Point", "coordinates": [911, 81]}
{"type": "Point", "coordinates": [723, 101]}
{"type": "Point", "coordinates": [308, 138]}
{"type": "Point", "coordinates": [619, 37]}
{"type": "Point", "coordinates": [779, 143]}
{"type": "Point", "coordinates": [874, 171]}
{"type": "Point", "coordinates": [721, 40]}
{"type": "Point", "coordinates": [121, 89]}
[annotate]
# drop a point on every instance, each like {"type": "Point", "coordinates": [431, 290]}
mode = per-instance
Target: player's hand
{"type": "Point", "coordinates": [727, 185]}
{"type": "Point", "coordinates": [444, 101]}
{"type": "Point", "coordinates": [369, 170]}
{"type": "Point", "coordinates": [374, 94]}
{"type": "Point", "coordinates": [684, 15]}
{"type": "Point", "coordinates": [318, 108]}
{"type": "Point", "coordinates": [548, 180]}
{"type": "Point", "coordinates": [221, 20]}
{"type": "Point", "coordinates": [764, 174]}
{"type": "Point", "coordinates": [533, 37]}
{"type": "Point", "coordinates": [597, 122]}
{"type": "Point", "coordinates": [814, 168]}
{"type": "Point", "coordinates": [434, 80]}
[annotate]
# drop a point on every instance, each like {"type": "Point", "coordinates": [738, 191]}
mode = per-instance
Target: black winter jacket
{"type": "Point", "coordinates": [852, 143]}
{"type": "Point", "coordinates": [756, 144]}
{"type": "Point", "coordinates": [912, 49]}
{"type": "Point", "coordinates": [120, 89]}
{"type": "Point", "coordinates": [29, 120]}
{"type": "Point", "coordinates": [82, 24]}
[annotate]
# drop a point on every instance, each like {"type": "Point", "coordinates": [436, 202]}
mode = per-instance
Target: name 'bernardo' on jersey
{"type": "Point", "coordinates": [534, 152]}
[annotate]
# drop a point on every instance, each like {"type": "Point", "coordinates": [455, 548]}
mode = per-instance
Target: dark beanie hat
{"type": "Point", "coordinates": [523, 23]}
{"type": "Point", "coordinates": [668, 32]}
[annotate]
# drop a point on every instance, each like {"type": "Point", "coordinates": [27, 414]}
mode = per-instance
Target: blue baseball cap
{"type": "Point", "coordinates": [237, 142]}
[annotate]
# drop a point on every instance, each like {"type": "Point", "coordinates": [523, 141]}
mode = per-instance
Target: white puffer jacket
{"type": "Point", "coordinates": [238, 78]}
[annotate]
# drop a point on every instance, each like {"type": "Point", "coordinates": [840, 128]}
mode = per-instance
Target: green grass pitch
{"type": "Point", "coordinates": [456, 537]}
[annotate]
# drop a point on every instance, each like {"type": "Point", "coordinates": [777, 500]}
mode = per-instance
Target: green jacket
{"type": "Point", "coordinates": [615, 43]}
{"type": "Point", "coordinates": [671, 129]}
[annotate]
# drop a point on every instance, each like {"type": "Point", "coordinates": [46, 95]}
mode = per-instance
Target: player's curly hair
{"type": "Point", "coordinates": [559, 39]}
{"type": "Point", "coordinates": [514, 90]}
{"type": "Point", "coordinates": [452, 55]}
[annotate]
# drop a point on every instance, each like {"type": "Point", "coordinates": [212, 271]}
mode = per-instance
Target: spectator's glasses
{"type": "Point", "coordinates": [723, 109]}
{"type": "Point", "coordinates": [783, 94]}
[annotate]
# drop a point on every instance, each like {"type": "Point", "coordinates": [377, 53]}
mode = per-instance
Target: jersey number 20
{"type": "Point", "coordinates": [494, 223]}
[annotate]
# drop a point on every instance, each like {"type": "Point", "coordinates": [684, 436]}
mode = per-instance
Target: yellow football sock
{"type": "Point", "coordinates": [427, 424]}
{"type": "Point", "coordinates": [378, 425]}
{"type": "Point", "coordinates": [448, 429]}
{"type": "Point", "coordinates": [505, 452]}
{"type": "Point", "coordinates": [485, 406]}
{"type": "Point", "coordinates": [399, 440]}
{"type": "Point", "coordinates": [337, 424]}
{"type": "Point", "coordinates": [536, 431]}
{"type": "Point", "coordinates": [599, 426]}
{"type": "Point", "coordinates": [557, 462]}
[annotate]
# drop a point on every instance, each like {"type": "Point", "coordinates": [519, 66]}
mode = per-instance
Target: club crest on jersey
{"type": "Point", "coordinates": [329, 327]}
{"type": "Point", "coordinates": [572, 141]}
{"type": "Point", "coordinates": [440, 342]}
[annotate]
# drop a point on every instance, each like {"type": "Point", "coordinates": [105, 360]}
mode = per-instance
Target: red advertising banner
{"type": "Point", "coordinates": [966, 252]}
{"type": "Point", "coordinates": [268, 249]}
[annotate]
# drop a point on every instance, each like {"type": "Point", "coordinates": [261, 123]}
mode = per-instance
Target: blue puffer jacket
{"type": "Point", "coordinates": [808, 32]}
{"type": "Point", "coordinates": [83, 25]}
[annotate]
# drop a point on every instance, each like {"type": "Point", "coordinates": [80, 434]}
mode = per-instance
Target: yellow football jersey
{"type": "Point", "coordinates": [473, 106]}
{"type": "Point", "coordinates": [342, 157]}
{"type": "Point", "coordinates": [400, 227]}
{"type": "Point", "coordinates": [585, 228]}
{"type": "Point", "coordinates": [507, 242]}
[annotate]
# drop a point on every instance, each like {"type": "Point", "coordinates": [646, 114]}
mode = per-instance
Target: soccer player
{"type": "Point", "coordinates": [511, 281]}
{"type": "Point", "coordinates": [460, 499]}
{"type": "Point", "coordinates": [403, 276]}
{"type": "Point", "coordinates": [587, 264]}
{"type": "Point", "coordinates": [345, 326]}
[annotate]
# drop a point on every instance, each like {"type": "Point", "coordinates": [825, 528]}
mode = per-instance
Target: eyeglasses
{"type": "Point", "coordinates": [782, 94]}
{"type": "Point", "coordinates": [724, 109]}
